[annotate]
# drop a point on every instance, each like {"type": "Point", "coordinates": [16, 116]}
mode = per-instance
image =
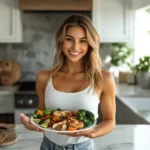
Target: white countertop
{"type": "Point", "coordinates": [6, 90]}
{"type": "Point", "coordinates": [123, 137]}
{"type": "Point", "coordinates": [131, 90]}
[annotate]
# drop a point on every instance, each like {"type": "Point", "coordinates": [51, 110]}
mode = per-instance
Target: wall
{"type": "Point", "coordinates": [37, 50]}
{"type": "Point", "coordinates": [137, 4]}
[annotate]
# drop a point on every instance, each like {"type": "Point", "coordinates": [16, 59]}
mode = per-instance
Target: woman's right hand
{"type": "Point", "coordinates": [26, 122]}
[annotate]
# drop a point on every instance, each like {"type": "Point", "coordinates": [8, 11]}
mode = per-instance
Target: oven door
{"type": "Point", "coordinates": [27, 111]}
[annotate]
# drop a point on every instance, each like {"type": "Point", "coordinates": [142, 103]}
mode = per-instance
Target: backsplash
{"type": "Point", "coordinates": [38, 49]}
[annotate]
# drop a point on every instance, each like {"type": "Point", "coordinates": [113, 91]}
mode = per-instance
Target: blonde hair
{"type": "Point", "coordinates": [93, 62]}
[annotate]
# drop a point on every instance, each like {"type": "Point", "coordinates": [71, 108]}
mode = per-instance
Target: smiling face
{"type": "Point", "coordinates": [75, 44]}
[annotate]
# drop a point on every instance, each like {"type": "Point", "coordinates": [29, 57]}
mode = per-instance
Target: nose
{"type": "Point", "coordinates": [76, 46]}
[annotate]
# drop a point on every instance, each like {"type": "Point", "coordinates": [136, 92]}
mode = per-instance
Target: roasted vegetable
{"type": "Point", "coordinates": [44, 124]}
{"type": "Point", "coordinates": [38, 112]}
{"type": "Point", "coordinates": [86, 116]}
{"type": "Point", "coordinates": [47, 120]}
{"type": "Point", "coordinates": [37, 120]}
{"type": "Point", "coordinates": [47, 112]}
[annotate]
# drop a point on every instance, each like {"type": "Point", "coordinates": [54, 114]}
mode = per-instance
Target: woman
{"type": "Point", "coordinates": [76, 81]}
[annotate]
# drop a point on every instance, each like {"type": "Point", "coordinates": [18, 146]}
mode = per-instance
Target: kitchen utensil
{"type": "Point", "coordinates": [10, 72]}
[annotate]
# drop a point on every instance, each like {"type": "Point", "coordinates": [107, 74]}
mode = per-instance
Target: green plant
{"type": "Point", "coordinates": [120, 53]}
{"type": "Point", "coordinates": [144, 64]}
{"type": "Point", "coordinates": [132, 67]}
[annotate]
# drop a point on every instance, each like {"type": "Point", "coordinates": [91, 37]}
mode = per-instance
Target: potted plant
{"type": "Point", "coordinates": [143, 72]}
{"type": "Point", "coordinates": [120, 54]}
{"type": "Point", "coordinates": [131, 75]}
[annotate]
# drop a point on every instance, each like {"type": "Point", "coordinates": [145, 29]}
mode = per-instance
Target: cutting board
{"type": "Point", "coordinates": [7, 126]}
{"type": "Point", "coordinates": [10, 72]}
{"type": "Point", "coordinates": [7, 134]}
{"type": "Point", "coordinates": [8, 137]}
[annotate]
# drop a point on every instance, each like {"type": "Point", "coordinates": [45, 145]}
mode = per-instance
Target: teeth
{"type": "Point", "coordinates": [74, 53]}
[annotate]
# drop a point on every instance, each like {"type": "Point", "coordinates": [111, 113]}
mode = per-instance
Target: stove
{"type": "Point", "coordinates": [26, 99]}
{"type": "Point", "coordinates": [27, 86]}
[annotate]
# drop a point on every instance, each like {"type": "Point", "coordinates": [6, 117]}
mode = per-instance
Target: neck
{"type": "Point", "coordinates": [72, 68]}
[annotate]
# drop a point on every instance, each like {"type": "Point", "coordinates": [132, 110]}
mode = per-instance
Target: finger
{"type": "Point", "coordinates": [26, 121]}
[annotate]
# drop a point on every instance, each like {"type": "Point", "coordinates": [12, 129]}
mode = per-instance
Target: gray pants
{"type": "Point", "coordinates": [48, 145]}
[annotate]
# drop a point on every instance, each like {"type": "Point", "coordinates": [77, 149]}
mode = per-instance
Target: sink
{"type": "Point", "coordinates": [140, 105]}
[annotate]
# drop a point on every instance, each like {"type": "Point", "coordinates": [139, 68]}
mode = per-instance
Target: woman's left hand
{"type": "Point", "coordinates": [88, 133]}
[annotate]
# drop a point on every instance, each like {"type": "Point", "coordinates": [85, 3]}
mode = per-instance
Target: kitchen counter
{"type": "Point", "coordinates": [123, 137]}
{"type": "Point", "coordinates": [136, 99]}
{"type": "Point", "coordinates": [131, 90]}
{"type": "Point", "coordinates": [7, 90]}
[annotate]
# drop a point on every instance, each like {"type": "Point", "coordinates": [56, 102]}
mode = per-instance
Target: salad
{"type": "Point", "coordinates": [63, 120]}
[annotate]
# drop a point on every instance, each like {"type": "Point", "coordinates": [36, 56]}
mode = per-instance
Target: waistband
{"type": "Point", "coordinates": [54, 146]}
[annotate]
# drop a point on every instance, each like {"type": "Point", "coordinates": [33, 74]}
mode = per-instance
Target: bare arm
{"type": "Point", "coordinates": [108, 107]}
{"type": "Point", "coordinates": [41, 83]}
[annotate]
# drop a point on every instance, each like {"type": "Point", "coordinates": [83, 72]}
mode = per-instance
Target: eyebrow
{"type": "Point", "coordinates": [73, 37]}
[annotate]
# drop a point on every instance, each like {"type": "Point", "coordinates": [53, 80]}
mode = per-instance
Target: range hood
{"type": "Point", "coordinates": [55, 5]}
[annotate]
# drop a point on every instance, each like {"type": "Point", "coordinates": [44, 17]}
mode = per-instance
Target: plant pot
{"type": "Point", "coordinates": [143, 80]}
{"type": "Point", "coordinates": [131, 78]}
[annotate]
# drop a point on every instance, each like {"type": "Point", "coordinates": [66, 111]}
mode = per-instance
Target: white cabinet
{"type": "Point", "coordinates": [113, 20]}
{"type": "Point", "coordinates": [10, 21]}
{"type": "Point", "coordinates": [7, 103]}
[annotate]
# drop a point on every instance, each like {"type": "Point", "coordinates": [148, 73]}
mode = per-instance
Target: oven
{"type": "Point", "coordinates": [26, 100]}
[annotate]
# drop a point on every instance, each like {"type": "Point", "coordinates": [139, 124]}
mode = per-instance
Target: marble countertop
{"type": "Point", "coordinates": [131, 90]}
{"type": "Point", "coordinates": [123, 137]}
{"type": "Point", "coordinates": [7, 90]}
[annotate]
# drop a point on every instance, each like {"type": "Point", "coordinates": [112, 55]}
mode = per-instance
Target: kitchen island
{"type": "Point", "coordinates": [123, 137]}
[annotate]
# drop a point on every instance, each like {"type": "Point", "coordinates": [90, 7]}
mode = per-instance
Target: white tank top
{"type": "Point", "coordinates": [86, 99]}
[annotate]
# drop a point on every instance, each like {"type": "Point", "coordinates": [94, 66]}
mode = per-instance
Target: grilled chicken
{"type": "Point", "coordinates": [62, 113]}
{"type": "Point", "coordinates": [72, 122]}
{"type": "Point", "coordinates": [60, 125]}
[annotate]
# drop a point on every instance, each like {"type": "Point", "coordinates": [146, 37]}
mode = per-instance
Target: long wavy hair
{"type": "Point", "coordinates": [92, 60]}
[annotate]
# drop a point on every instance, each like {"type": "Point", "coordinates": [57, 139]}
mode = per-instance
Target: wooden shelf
{"type": "Point", "coordinates": [55, 5]}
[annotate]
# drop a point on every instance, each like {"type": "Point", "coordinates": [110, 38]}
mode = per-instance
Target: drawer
{"type": "Point", "coordinates": [6, 103]}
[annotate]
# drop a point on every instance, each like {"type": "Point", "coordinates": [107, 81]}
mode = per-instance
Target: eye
{"type": "Point", "coordinates": [83, 41]}
{"type": "Point", "coordinates": [68, 39]}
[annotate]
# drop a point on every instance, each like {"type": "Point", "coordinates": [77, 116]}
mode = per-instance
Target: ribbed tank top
{"type": "Point", "coordinates": [85, 99]}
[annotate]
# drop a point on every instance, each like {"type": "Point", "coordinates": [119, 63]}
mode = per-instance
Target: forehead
{"type": "Point", "coordinates": [76, 31]}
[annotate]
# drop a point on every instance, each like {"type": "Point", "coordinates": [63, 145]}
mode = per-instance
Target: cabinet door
{"type": "Point", "coordinates": [112, 19]}
{"type": "Point", "coordinates": [10, 22]}
{"type": "Point", "coordinates": [6, 104]}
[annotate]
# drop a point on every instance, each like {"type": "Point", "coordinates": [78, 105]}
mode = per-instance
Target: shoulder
{"type": "Point", "coordinates": [106, 75]}
{"type": "Point", "coordinates": [42, 78]}
{"type": "Point", "coordinates": [107, 79]}
{"type": "Point", "coordinates": [42, 74]}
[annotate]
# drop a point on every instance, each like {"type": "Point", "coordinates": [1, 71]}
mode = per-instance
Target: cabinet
{"type": "Point", "coordinates": [10, 22]}
{"type": "Point", "coordinates": [125, 115]}
{"type": "Point", "coordinates": [7, 108]}
{"type": "Point", "coordinates": [113, 20]}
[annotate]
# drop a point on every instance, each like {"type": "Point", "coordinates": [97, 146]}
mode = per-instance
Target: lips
{"type": "Point", "coordinates": [74, 53]}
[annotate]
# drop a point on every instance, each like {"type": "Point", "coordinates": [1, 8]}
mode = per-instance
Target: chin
{"type": "Point", "coordinates": [75, 60]}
